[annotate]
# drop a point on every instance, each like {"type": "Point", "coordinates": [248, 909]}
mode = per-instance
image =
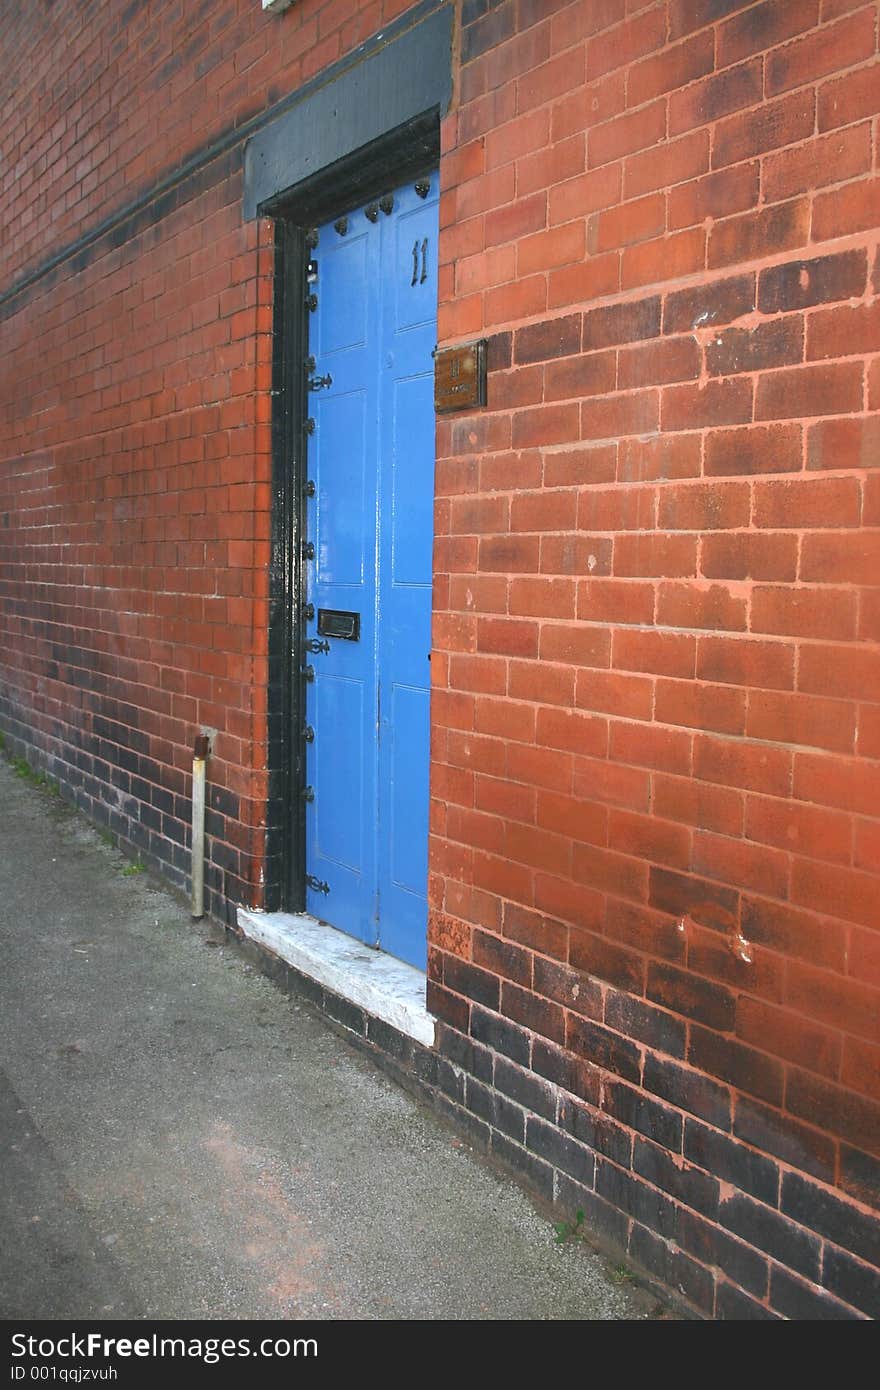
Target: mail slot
{"type": "Point", "coordinates": [333, 622]}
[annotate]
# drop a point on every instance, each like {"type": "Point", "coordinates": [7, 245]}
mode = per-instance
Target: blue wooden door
{"type": "Point", "coordinates": [368, 582]}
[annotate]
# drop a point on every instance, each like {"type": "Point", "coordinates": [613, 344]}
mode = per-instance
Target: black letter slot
{"type": "Point", "coordinates": [334, 623]}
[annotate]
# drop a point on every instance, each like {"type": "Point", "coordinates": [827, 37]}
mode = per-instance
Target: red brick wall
{"type": "Point", "coordinates": [654, 860]}
{"type": "Point", "coordinates": [657, 722]}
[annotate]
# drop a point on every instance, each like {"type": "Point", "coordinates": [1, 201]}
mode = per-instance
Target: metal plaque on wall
{"type": "Point", "coordinates": [460, 377]}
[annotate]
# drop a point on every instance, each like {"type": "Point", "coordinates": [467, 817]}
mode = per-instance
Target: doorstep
{"type": "Point", "coordinates": [377, 983]}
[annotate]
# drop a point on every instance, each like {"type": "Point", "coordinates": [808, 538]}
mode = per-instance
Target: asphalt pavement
{"type": "Point", "coordinates": [179, 1139]}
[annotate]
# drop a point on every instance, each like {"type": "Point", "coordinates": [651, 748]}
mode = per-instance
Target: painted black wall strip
{"type": "Point", "coordinates": [400, 81]}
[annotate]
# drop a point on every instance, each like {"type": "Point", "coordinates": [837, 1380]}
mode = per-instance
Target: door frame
{"type": "Point", "coordinates": [409, 151]}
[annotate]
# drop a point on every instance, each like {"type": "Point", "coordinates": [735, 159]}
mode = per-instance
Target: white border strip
{"type": "Point", "coordinates": [384, 987]}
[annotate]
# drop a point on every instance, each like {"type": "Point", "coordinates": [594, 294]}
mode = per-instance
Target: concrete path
{"type": "Point", "coordinates": [179, 1140]}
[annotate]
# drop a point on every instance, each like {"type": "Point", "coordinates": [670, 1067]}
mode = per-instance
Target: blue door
{"type": "Point", "coordinates": [369, 525]}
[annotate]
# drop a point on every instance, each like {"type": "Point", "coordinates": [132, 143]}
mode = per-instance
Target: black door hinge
{"type": "Point", "coordinates": [317, 884]}
{"type": "Point", "coordinates": [316, 644]}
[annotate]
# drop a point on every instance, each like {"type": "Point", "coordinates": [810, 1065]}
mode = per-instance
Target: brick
{"type": "Point", "coordinates": [841, 211]}
{"type": "Point", "coordinates": [500, 1036]}
{"type": "Point", "coordinates": [605, 781]}
{"type": "Point", "coordinates": [609, 692]}
{"type": "Point", "coordinates": [535, 931]}
{"type": "Point", "coordinates": [679, 1180]}
{"type": "Point", "coordinates": [831, 49]}
{"type": "Point", "coordinates": [804, 612]}
{"type": "Point", "coordinates": [740, 661]}
{"type": "Point", "coordinates": [662, 653]}
{"type": "Point", "coordinates": [648, 460]}
{"type": "Point", "coordinates": [732, 1305]}
{"type": "Point", "coordinates": [748, 866]}
{"type": "Point", "coordinates": [625, 42]}
{"type": "Point", "coordinates": [850, 443]}
{"type": "Point", "coordinates": [749, 555]}
{"type": "Point", "coordinates": [670, 360]}
{"type": "Point", "coordinates": [560, 1150]}
{"type": "Point", "coordinates": [607, 871]}
{"type": "Point", "coordinates": [584, 194]}
{"type": "Point", "coordinates": [798, 1300]}
{"type": "Point", "coordinates": [627, 223]}
{"type": "Point", "coordinates": [651, 747]}
{"type": "Point", "coordinates": [766, 127]}
{"type": "Point", "coordinates": [860, 1070]}
{"type": "Point", "coordinates": [669, 258]}
{"type": "Point", "coordinates": [667, 165]}
{"type": "Point", "coordinates": [783, 718]}
{"type": "Point", "coordinates": [786, 1138]}
{"type": "Point", "coordinates": [597, 276]}
{"type": "Point", "coordinates": [839, 670]}
{"type": "Point", "coordinates": [626, 135]}
{"type": "Point", "coordinates": [840, 1002]}
{"type": "Point", "coordinates": [635, 1197]}
{"type": "Point", "coordinates": [687, 15]}
{"type": "Point", "coordinates": [592, 104]}
{"type": "Point", "coordinates": [495, 1109]}
{"type": "Point", "coordinates": [801, 284]}
{"type": "Point", "coordinates": [848, 98]}
{"type": "Point", "coordinates": [688, 1090]}
{"type": "Point", "coordinates": [686, 994]}
{"type": "Point", "coordinates": [587, 464]}
{"type": "Point", "coordinates": [745, 1068]}
{"type": "Point", "coordinates": [551, 80]}
{"type": "Point", "coordinates": [758, 449]}
{"type": "Point", "coordinates": [716, 304]}
{"type": "Point", "coordinates": [853, 1282]}
{"type": "Point", "coordinates": [812, 390]}
{"type": "Point", "coordinates": [592, 374]}
{"type": "Point", "coordinates": [655, 555]}
{"type": "Point", "coordinates": [709, 808]}
{"type": "Point", "coordinates": [860, 1175]}
{"type": "Point", "coordinates": [643, 1114]}
{"type": "Point", "coordinates": [854, 1118]}
{"type": "Point", "coordinates": [601, 1135]}
{"type": "Point", "coordinates": [719, 95]}
{"type": "Point", "coordinates": [603, 1048]}
{"type": "Point", "coordinates": [576, 555]}
{"type": "Point", "coordinates": [649, 838]}
{"type": "Point", "coordinates": [726, 402]}
{"type": "Point", "coordinates": [732, 1163]}
{"type": "Point", "coordinates": [775, 344]}
{"type": "Point", "coordinates": [636, 412]}
{"type": "Point", "coordinates": [575, 643]}
{"type": "Point", "coordinates": [669, 1263]}
{"type": "Point", "coordinates": [848, 783]}
{"type": "Point", "coordinates": [540, 598]}
{"type": "Point", "coordinates": [700, 606]}
{"type": "Point", "coordinates": [764, 26]}
{"type": "Point", "coordinates": [614, 600]}
{"type": "Point", "coordinates": [636, 1019]}
{"type": "Point", "coordinates": [807, 830]}
{"type": "Point", "coordinates": [820, 161]}
{"type": "Point", "coordinates": [564, 1070]}
{"type": "Point", "coordinates": [695, 898]}
{"type": "Point", "coordinates": [767, 1230]}
{"type": "Point", "coordinates": [671, 69]}
{"type": "Point", "coordinates": [694, 706]}
{"type": "Point", "coordinates": [524, 1165]}
{"type": "Point", "coordinates": [568, 987]}
{"type": "Point", "coordinates": [703, 507]}
{"type": "Point", "coordinates": [621, 323]}
{"type": "Point", "coordinates": [844, 331]}
{"type": "Point", "coordinates": [716, 196]}
{"type": "Point", "coordinates": [780, 227]}
{"type": "Point", "coordinates": [829, 1215]}
{"type": "Point", "coordinates": [844, 558]}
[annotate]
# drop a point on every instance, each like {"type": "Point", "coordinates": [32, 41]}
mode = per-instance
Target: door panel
{"type": "Point", "coordinates": [370, 519]}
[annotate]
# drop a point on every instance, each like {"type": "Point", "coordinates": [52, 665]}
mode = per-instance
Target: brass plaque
{"type": "Point", "coordinates": [460, 377]}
